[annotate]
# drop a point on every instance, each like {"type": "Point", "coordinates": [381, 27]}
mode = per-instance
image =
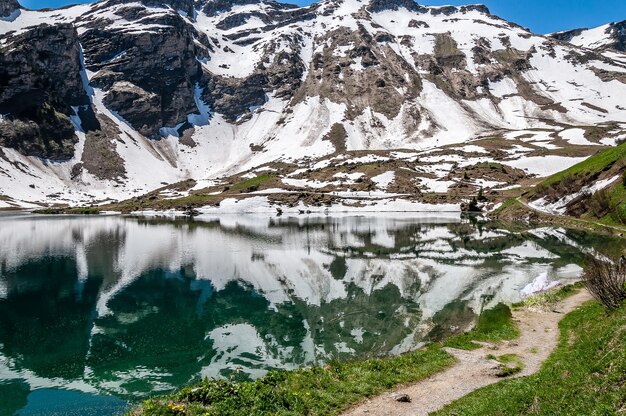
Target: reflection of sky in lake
{"type": "Point", "coordinates": [128, 306]}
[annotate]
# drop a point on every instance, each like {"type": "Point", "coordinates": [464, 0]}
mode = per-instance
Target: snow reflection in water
{"type": "Point", "coordinates": [127, 306]}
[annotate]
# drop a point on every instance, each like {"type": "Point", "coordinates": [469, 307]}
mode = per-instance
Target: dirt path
{"type": "Point", "coordinates": [539, 335]}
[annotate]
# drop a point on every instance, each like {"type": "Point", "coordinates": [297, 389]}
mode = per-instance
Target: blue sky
{"type": "Point", "coordinates": [541, 16]}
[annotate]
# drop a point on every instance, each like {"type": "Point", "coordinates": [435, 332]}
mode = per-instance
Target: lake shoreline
{"type": "Point", "coordinates": [393, 396]}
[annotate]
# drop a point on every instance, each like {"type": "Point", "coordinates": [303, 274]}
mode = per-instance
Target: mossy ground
{"type": "Point", "coordinates": [510, 364]}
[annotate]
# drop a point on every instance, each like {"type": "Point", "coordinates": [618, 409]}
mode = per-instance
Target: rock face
{"type": "Point", "coordinates": [215, 7]}
{"type": "Point", "coordinates": [617, 31]}
{"type": "Point", "coordinates": [233, 97]}
{"type": "Point", "coordinates": [376, 6]}
{"type": "Point", "coordinates": [40, 81]}
{"type": "Point", "coordinates": [149, 75]}
{"type": "Point", "coordinates": [368, 70]}
{"type": "Point", "coordinates": [8, 7]}
{"type": "Point", "coordinates": [568, 35]}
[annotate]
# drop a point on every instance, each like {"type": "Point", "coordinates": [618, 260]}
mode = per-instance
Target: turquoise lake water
{"type": "Point", "coordinates": [99, 312]}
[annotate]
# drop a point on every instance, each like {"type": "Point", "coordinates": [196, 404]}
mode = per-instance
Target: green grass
{"type": "Point", "coordinates": [510, 364]}
{"type": "Point", "coordinates": [506, 205]}
{"type": "Point", "coordinates": [252, 184]}
{"type": "Point", "coordinates": [617, 214]}
{"type": "Point", "coordinates": [73, 211]}
{"type": "Point", "coordinates": [493, 325]}
{"type": "Point", "coordinates": [590, 167]}
{"type": "Point", "coordinates": [586, 375]}
{"type": "Point", "coordinates": [314, 391]}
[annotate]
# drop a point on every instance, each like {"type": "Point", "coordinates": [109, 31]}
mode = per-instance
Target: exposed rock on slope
{"type": "Point", "coordinates": [376, 6]}
{"type": "Point", "coordinates": [40, 80]}
{"type": "Point", "coordinates": [149, 74]}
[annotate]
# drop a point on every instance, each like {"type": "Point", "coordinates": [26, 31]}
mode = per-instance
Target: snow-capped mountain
{"type": "Point", "coordinates": [605, 37]}
{"type": "Point", "coordinates": [113, 99]}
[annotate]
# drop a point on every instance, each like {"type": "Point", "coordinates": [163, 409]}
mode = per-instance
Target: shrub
{"type": "Point", "coordinates": [600, 203]}
{"type": "Point", "coordinates": [481, 195]}
{"type": "Point", "coordinates": [473, 206]}
{"type": "Point", "coordinates": [606, 281]}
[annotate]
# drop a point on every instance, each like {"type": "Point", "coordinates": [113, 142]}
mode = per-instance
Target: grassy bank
{"type": "Point", "coordinates": [513, 214]}
{"type": "Point", "coordinates": [313, 391]}
{"type": "Point", "coordinates": [606, 206]}
{"type": "Point", "coordinates": [587, 170]}
{"type": "Point", "coordinates": [586, 375]}
{"type": "Point", "coordinates": [330, 389]}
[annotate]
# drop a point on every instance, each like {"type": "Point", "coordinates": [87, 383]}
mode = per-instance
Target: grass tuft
{"type": "Point", "coordinates": [510, 364]}
{"type": "Point", "coordinates": [547, 300]}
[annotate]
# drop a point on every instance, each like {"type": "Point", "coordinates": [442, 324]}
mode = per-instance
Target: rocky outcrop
{"type": "Point", "coordinates": [376, 6]}
{"type": "Point", "coordinates": [100, 157]}
{"type": "Point", "coordinates": [142, 109]}
{"type": "Point", "coordinates": [273, 14]}
{"type": "Point", "coordinates": [617, 31]}
{"type": "Point", "coordinates": [40, 81]}
{"type": "Point", "coordinates": [280, 72]}
{"type": "Point", "coordinates": [450, 10]}
{"type": "Point", "coordinates": [8, 8]}
{"type": "Point", "coordinates": [568, 35]}
{"type": "Point", "coordinates": [215, 7]}
{"type": "Point", "coordinates": [149, 75]}
{"type": "Point", "coordinates": [369, 74]}
{"type": "Point", "coordinates": [185, 7]}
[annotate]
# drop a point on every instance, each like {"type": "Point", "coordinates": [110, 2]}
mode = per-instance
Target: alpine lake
{"type": "Point", "coordinates": [100, 312]}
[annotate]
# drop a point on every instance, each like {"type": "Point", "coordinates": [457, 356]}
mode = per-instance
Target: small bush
{"type": "Point", "coordinates": [473, 206]}
{"type": "Point", "coordinates": [619, 214]}
{"type": "Point", "coordinates": [600, 203]}
{"type": "Point", "coordinates": [607, 282]}
{"type": "Point", "coordinates": [481, 195]}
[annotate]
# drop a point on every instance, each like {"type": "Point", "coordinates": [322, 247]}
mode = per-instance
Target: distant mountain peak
{"type": "Point", "coordinates": [609, 36]}
{"type": "Point", "coordinates": [8, 8]}
{"type": "Point", "coordinates": [381, 5]}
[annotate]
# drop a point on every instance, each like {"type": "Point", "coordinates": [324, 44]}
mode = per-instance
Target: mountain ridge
{"type": "Point", "coordinates": [201, 93]}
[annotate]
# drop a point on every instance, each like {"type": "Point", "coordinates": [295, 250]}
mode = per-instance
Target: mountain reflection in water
{"type": "Point", "coordinates": [128, 307]}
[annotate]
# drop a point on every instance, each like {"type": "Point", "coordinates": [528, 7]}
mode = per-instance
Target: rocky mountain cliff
{"type": "Point", "coordinates": [117, 98]}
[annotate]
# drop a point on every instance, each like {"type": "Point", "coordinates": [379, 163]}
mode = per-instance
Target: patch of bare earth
{"type": "Point", "coordinates": [539, 334]}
